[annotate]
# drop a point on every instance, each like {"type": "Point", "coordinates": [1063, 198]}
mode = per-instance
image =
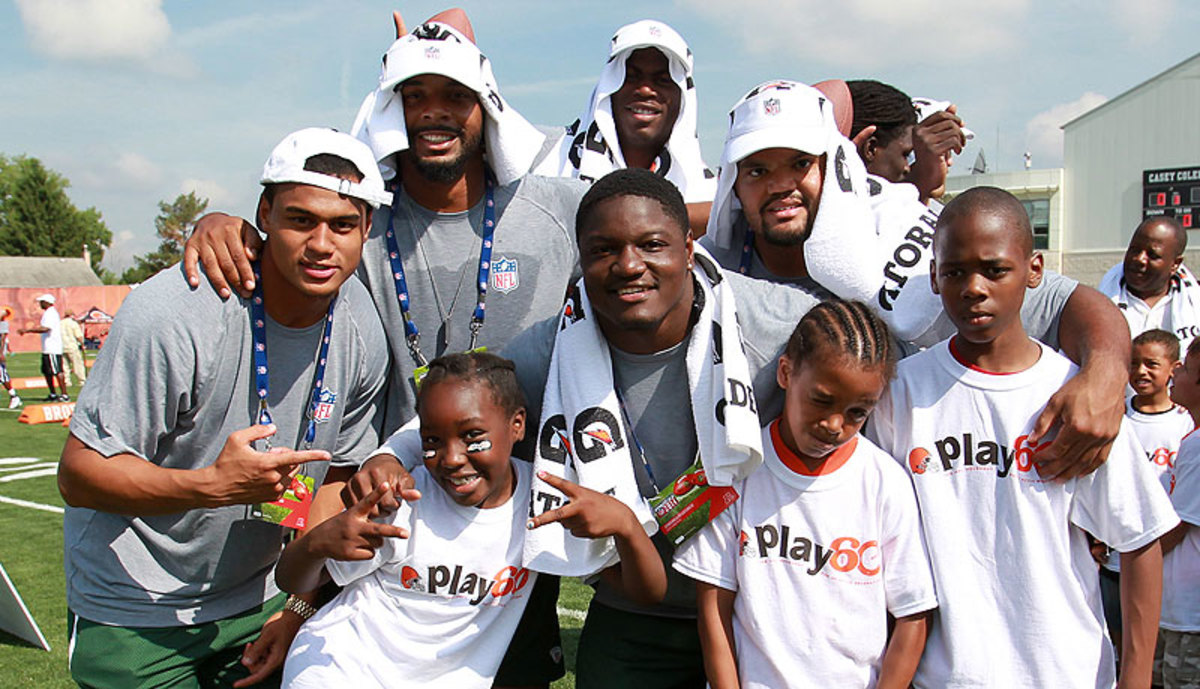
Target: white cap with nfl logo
{"type": "Point", "coordinates": [779, 114]}
{"type": "Point", "coordinates": [286, 164]}
{"type": "Point", "coordinates": [774, 114]}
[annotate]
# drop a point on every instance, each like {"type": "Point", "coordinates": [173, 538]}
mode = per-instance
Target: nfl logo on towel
{"type": "Point", "coordinates": [771, 106]}
{"type": "Point", "coordinates": [325, 403]}
{"type": "Point", "coordinates": [505, 277]}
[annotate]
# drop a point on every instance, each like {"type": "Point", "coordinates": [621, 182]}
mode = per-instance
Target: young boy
{"type": "Point", "coordinates": [1181, 565]}
{"type": "Point", "coordinates": [1018, 597]}
{"type": "Point", "coordinates": [1159, 425]}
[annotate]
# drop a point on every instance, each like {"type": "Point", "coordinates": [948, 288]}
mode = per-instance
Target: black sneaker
{"type": "Point", "coordinates": [50, 398]}
{"type": "Point", "coordinates": [64, 398]}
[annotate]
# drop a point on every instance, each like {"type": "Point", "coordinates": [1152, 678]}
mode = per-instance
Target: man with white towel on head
{"type": "Point", "coordinates": [642, 114]}
{"type": "Point", "coordinates": [794, 204]}
{"type": "Point", "coordinates": [471, 253]}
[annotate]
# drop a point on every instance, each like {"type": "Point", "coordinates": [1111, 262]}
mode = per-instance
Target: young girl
{"type": "Point", "coordinates": [797, 579]}
{"type": "Point", "coordinates": [434, 591]}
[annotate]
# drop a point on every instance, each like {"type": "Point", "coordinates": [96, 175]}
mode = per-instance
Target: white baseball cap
{"type": "Point", "coordinates": [434, 48]}
{"type": "Point", "coordinates": [780, 114]}
{"type": "Point", "coordinates": [286, 164]}
{"type": "Point", "coordinates": [48, 298]}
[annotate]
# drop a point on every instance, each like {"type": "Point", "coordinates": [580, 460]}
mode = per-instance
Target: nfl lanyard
{"type": "Point", "coordinates": [636, 444]}
{"type": "Point", "coordinates": [258, 328]}
{"type": "Point", "coordinates": [747, 252]}
{"type": "Point", "coordinates": [411, 333]}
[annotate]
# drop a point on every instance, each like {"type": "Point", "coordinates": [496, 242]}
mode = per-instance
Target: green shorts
{"type": "Point", "coordinates": [201, 655]}
{"type": "Point", "coordinates": [619, 649]}
{"type": "Point", "coordinates": [1180, 659]}
{"type": "Point", "coordinates": [534, 656]}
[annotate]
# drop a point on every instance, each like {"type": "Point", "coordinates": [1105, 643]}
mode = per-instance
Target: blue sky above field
{"type": "Point", "coordinates": [136, 101]}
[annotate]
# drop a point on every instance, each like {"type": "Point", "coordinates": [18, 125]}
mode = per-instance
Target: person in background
{"type": "Point", "coordinates": [72, 340]}
{"type": "Point", "coordinates": [50, 328]}
{"type": "Point", "coordinates": [1152, 286]}
{"type": "Point", "coordinates": [14, 401]}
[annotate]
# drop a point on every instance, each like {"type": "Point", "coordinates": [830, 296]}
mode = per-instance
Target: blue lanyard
{"type": "Point", "coordinates": [747, 252]}
{"type": "Point", "coordinates": [636, 444]}
{"type": "Point", "coordinates": [258, 329]}
{"type": "Point", "coordinates": [411, 333]}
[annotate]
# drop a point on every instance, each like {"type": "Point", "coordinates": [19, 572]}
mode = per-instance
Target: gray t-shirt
{"type": "Point", "coordinates": [175, 378]}
{"type": "Point", "coordinates": [534, 259]}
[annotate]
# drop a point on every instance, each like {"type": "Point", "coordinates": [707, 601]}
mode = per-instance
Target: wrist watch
{"type": "Point", "coordinates": [300, 606]}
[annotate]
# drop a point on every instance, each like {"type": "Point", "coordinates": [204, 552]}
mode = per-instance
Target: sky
{"type": "Point", "coordinates": [137, 101]}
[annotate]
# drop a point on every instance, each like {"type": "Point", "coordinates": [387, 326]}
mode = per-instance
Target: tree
{"type": "Point", "coordinates": [175, 220]}
{"type": "Point", "coordinates": [38, 219]}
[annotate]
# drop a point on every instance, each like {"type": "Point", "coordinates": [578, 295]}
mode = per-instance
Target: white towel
{"type": "Point", "coordinates": [1183, 311]}
{"type": "Point", "coordinates": [680, 161]}
{"type": "Point", "coordinates": [579, 388]}
{"type": "Point", "coordinates": [871, 240]}
{"type": "Point", "coordinates": [510, 142]}
{"type": "Point", "coordinates": [928, 106]}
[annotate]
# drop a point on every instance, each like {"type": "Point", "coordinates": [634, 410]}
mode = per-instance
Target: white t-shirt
{"type": "Point", "coordinates": [51, 340]}
{"type": "Point", "coordinates": [3, 338]}
{"type": "Point", "coordinates": [1018, 595]}
{"type": "Point", "coordinates": [817, 563]}
{"type": "Point", "coordinates": [1181, 566]}
{"type": "Point", "coordinates": [1159, 434]}
{"type": "Point", "coordinates": [435, 610]}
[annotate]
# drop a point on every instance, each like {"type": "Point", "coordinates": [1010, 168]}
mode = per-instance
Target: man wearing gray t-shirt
{"type": "Point", "coordinates": [472, 252]}
{"type": "Point", "coordinates": [189, 422]}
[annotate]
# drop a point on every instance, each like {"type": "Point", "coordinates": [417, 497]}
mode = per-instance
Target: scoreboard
{"type": "Point", "coordinates": [1173, 192]}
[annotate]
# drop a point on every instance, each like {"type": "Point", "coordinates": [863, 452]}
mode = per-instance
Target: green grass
{"type": "Point", "coordinates": [31, 541]}
{"type": "Point", "coordinates": [31, 551]}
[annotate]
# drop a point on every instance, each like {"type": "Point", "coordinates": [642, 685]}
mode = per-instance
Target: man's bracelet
{"type": "Point", "coordinates": [300, 606]}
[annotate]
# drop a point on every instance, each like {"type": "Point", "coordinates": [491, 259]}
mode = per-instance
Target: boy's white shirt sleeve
{"type": "Point", "coordinates": [1185, 495]}
{"type": "Point", "coordinates": [1122, 503]}
{"type": "Point", "coordinates": [345, 572]}
{"type": "Point", "coordinates": [711, 555]}
{"type": "Point", "coordinates": [879, 428]}
{"type": "Point", "coordinates": [404, 444]}
{"type": "Point", "coordinates": [907, 574]}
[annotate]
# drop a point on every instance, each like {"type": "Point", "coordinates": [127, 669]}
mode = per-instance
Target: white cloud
{"type": "Point", "coordinates": [866, 34]}
{"type": "Point", "coordinates": [1144, 21]}
{"type": "Point", "coordinates": [129, 171]}
{"type": "Point", "coordinates": [137, 169]}
{"type": "Point", "coordinates": [85, 29]}
{"type": "Point", "coordinates": [1043, 133]}
{"type": "Point", "coordinates": [218, 196]}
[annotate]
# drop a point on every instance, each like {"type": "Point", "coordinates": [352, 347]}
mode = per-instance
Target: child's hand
{"type": "Point", "coordinates": [352, 535]}
{"type": "Point", "coordinates": [587, 514]}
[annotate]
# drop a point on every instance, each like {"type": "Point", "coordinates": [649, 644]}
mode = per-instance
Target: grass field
{"type": "Point", "coordinates": [31, 547]}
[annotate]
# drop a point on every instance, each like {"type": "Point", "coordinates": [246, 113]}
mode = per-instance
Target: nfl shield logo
{"type": "Point", "coordinates": [505, 277]}
{"type": "Point", "coordinates": [325, 402]}
{"type": "Point", "coordinates": [771, 106]}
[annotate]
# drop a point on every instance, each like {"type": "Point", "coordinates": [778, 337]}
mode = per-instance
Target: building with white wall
{"type": "Point", "coordinates": [1096, 200]}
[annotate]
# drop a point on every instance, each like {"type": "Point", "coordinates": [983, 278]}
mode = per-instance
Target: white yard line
{"type": "Point", "coordinates": [31, 505]}
{"type": "Point", "coordinates": [28, 467]}
{"type": "Point", "coordinates": [19, 460]}
{"type": "Point", "coordinates": [30, 474]}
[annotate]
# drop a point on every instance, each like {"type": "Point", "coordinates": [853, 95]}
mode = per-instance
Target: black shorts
{"type": "Point", "coordinates": [535, 656]}
{"type": "Point", "coordinates": [51, 364]}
